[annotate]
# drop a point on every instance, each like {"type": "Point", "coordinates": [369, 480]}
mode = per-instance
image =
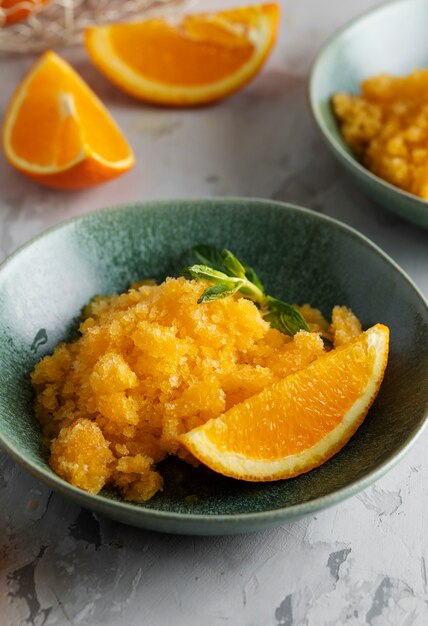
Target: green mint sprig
{"type": "Point", "coordinates": [229, 275]}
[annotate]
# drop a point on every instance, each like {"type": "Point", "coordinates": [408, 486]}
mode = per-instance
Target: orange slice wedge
{"type": "Point", "coordinates": [13, 11]}
{"type": "Point", "coordinates": [57, 132]}
{"type": "Point", "coordinates": [299, 422]}
{"type": "Point", "coordinates": [185, 61]}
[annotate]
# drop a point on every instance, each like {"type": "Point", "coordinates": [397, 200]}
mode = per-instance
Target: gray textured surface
{"type": "Point", "coordinates": [364, 562]}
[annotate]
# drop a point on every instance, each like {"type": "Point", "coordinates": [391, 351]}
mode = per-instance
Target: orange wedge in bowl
{"type": "Point", "coordinates": [188, 60]}
{"type": "Point", "coordinates": [57, 132]}
{"type": "Point", "coordinates": [299, 422]}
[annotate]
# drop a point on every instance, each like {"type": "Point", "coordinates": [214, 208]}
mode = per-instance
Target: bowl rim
{"type": "Point", "coordinates": [318, 117]}
{"type": "Point", "coordinates": [191, 523]}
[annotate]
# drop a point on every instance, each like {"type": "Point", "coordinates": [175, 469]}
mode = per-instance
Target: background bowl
{"type": "Point", "coordinates": [392, 39]}
{"type": "Point", "coordinates": [301, 256]}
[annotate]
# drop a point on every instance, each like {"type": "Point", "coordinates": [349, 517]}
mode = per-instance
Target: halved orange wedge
{"type": "Point", "coordinates": [188, 60]}
{"type": "Point", "coordinates": [299, 422]}
{"type": "Point", "coordinates": [57, 132]}
{"type": "Point", "coordinates": [14, 11]}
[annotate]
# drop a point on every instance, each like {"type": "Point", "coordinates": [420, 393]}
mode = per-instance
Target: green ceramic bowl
{"type": "Point", "coordinates": [393, 39]}
{"type": "Point", "coordinates": [302, 256]}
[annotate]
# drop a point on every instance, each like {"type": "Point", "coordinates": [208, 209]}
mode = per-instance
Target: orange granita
{"type": "Point", "coordinates": [152, 364]}
{"type": "Point", "coordinates": [387, 128]}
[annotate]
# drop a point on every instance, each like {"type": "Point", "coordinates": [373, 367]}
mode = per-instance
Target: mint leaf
{"type": "Point", "coordinates": [253, 277]}
{"type": "Point", "coordinates": [222, 260]}
{"type": "Point", "coordinates": [284, 317]}
{"type": "Point", "coordinates": [232, 265]}
{"type": "Point", "coordinates": [203, 272]}
{"type": "Point", "coordinates": [219, 291]}
{"type": "Point", "coordinates": [209, 255]}
{"type": "Point", "coordinates": [229, 275]}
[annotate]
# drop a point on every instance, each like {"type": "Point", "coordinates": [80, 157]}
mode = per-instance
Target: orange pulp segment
{"type": "Point", "coordinates": [57, 132]}
{"type": "Point", "coordinates": [188, 60]}
{"type": "Point", "coordinates": [299, 422]}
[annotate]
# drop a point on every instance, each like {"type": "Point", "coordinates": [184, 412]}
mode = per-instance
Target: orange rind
{"type": "Point", "coordinates": [57, 132]}
{"type": "Point", "coordinates": [188, 60]}
{"type": "Point", "coordinates": [14, 11]}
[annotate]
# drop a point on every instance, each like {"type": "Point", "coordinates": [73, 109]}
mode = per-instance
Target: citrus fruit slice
{"type": "Point", "coordinates": [189, 60]}
{"type": "Point", "coordinates": [58, 133]}
{"type": "Point", "coordinates": [14, 11]}
{"type": "Point", "coordinates": [299, 422]}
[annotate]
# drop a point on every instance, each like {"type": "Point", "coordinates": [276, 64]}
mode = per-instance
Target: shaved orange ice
{"type": "Point", "coordinates": [386, 126]}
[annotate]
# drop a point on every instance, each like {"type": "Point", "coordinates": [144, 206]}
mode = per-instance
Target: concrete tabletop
{"type": "Point", "coordinates": [363, 562]}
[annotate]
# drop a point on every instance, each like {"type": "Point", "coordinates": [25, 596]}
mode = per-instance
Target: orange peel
{"type": "Point", "coordinates": [57, 132]}
{"type": "Point", "coordinates": [298, 423]}
{"type": "Point", "coordinates": [189, 60]}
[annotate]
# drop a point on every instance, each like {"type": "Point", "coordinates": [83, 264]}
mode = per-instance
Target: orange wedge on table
{"type": "Point", "coordinates": [299, 422]}
{"type": "Point", "coordinates": [13, 11]}
{"type": "Point", "coordinates": [57, 132]}
{"type": "Point", "coordinates": [188, 60]}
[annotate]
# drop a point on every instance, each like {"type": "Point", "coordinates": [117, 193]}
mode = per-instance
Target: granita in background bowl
{"type": "Point", "coordinates": [389, 40]}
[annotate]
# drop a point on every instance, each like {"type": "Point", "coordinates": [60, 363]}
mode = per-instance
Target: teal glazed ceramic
{"type": "Point", "coordinates": [301, 256]}
{"type": "Point", "coordinates": [392, 39]}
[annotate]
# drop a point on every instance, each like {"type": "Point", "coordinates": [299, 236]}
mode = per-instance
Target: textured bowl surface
{"type": "Point", "coordinates": [392, 39]}
{"type": "Point", "coordinates": [301, 256]}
